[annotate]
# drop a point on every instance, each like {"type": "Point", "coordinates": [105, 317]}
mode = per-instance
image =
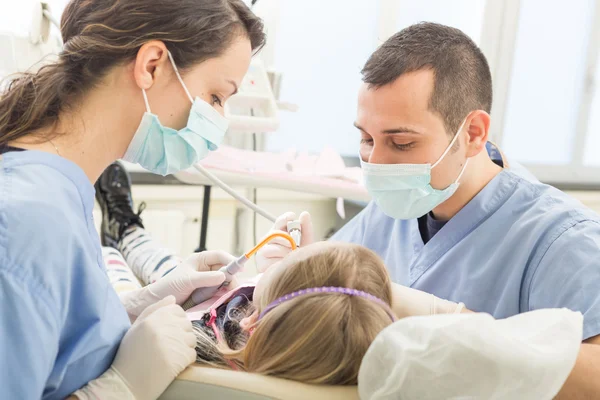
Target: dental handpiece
{"type": "Point", "coordinates": [200, 295]}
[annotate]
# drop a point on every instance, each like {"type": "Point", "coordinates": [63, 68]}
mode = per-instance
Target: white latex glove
{"type": "Point", "coordinates": [157, 348]}
{"type": "Point", "coordinates": [278, 248]}
{"type": "Point", "coordinates": [409, 302]}
{"type": "Point", "coordinates": [198, 270]}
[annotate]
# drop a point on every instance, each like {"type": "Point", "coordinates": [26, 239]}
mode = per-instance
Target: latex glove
{"type": "Point", "coordinates": [157, 348]}
{"type": "Point", "coordinates": [278, 248]}
{"type": "Point", "coordinates": [198, 270]}
{"type": "Point", "coordinates": [409, 302]}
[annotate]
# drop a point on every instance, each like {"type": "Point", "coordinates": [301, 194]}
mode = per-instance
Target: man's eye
{"type": "Point", "coordinates": [404, 146]}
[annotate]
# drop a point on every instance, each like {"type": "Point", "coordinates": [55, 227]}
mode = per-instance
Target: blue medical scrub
{"type": "Point", "coordinates": [60, 320]}
{"type": "Point", "coordinates": [519, 245]}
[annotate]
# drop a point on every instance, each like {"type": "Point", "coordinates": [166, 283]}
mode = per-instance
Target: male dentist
{"type": "Point", "coordinates": [450, 215]}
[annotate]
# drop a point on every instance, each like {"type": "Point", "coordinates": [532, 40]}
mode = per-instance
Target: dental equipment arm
{"type": "Point", "coordinates": [157, 348]}
{"type": "Point", "coordinates": [292, 226]}
{"type": "Point", "coordinates": [233, 194]}
{"type": "Point", "coordinates": [200, 295]}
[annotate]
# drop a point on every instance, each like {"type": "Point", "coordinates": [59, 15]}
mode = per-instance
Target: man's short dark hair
{"type": "Point", "coordinates": [462, 78]}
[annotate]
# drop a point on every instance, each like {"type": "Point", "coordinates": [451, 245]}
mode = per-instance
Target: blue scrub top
{"type": "Point", "coordinates": [61, 321]}
{"type": "Point", "coordinates": [519, 245]}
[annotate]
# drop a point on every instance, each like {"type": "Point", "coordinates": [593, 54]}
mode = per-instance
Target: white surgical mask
{"type": "Point", "coordinates": [404, 191]}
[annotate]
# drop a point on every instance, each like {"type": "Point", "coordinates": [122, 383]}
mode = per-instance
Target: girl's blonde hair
{"type": "Point", "coordinates": [318, 338]}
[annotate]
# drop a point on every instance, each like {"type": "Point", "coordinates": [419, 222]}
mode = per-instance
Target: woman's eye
{"type": "Point", "coordinates": [366, 141]}
{"type": "Point", "coordinates": [216, 100]}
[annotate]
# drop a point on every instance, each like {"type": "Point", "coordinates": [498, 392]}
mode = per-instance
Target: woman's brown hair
{"type": "Point", "coordinates": [101, 34]}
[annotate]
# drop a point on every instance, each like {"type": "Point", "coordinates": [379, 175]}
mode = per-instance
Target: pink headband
{"type": "Point", "coordinates": [329, 289]}
{"type": "Point", "coordinates": [212, 322]}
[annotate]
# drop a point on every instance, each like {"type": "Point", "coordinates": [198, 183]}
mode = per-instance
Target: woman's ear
{"type": "Point", "coordinates": [247, 323]}
{"type": "Point", "coordinates": [149, 62]}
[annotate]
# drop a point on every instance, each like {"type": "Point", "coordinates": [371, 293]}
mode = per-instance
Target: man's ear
{"type": "Point", "coordinates": [478, 127]}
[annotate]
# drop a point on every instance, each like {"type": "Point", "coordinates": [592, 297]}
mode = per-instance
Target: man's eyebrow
{"type": "Point", "coordinates": [400, 130]}
{"type": "Point", "coordinates": [393, 130]}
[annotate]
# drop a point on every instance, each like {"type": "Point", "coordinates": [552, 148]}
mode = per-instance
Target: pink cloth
{"type": "Point", "coordinates": [323, 174]}
{"type": "Point", "coordinates": [327, 164]}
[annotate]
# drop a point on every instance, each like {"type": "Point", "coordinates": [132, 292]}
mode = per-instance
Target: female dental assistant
{"type": "Point", "coordinates": [143, 80]}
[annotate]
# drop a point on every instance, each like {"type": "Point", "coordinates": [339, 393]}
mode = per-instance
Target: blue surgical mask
{"type": "Point", "coordinates": [403, 191]}
{"type": "Point", "coordinates": [163, 150]}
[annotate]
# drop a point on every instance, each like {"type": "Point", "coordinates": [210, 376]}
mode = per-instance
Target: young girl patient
{"type": "Point", "coordinates": [310, 317]}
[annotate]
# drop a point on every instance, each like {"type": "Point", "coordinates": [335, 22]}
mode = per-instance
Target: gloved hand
{"type": "Point", "coordinates": [409, 302]}
{"type": "Point", "coordinates": [157, 348]}
{"type": "Point", "coordinates": [198, 270]}
{"type": "Point", "coordinates": [278, 248]}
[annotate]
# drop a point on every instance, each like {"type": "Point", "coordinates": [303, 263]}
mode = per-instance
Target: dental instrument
{"type": "Point", "coordinates": [200, 295]}
{"type": "Point", "coordinates": [293, 227]}
{"type": "Point", "coordinates": [233, 194]}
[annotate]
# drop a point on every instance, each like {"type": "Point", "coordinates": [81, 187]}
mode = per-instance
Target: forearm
{"type": "Point", "coordinates": [583, 382]}
{"type": "Point", "coordinates": [135, 301]}
{"type": "Point", "coordinates": [408, 302]}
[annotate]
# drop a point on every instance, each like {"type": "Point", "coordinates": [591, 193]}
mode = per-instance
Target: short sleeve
{"type": "Point", "coordinates": [28, 339]}
{"type": "Point", "coordinates": [568, 275]}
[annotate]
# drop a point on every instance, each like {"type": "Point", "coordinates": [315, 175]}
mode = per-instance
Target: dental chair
{"type": "Point", "coordinates": [201, 383]}
{"type": "Point", "coordinates": [474, 356]}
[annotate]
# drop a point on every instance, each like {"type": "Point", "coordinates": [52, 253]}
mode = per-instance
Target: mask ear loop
{"type": "Point", "coordinates": [450, 145]}
{"type": "Point", "coordinates": [146, 101]}
{"type": "Point", "coordinates": [179, 77]}
{"type": "Point", "coordinates": [462, 171]}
